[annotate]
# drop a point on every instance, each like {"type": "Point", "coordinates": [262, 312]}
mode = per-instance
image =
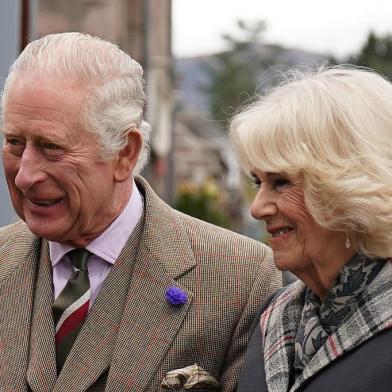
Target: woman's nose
{"type": "Point", "coordinates": [263, 205]}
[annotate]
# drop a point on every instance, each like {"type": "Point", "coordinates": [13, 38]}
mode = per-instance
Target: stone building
{"type": "Point", "coordinates": [143, 29]}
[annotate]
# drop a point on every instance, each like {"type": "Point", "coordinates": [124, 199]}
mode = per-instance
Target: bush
{"type": "Point", "coordinates": [203, 202]}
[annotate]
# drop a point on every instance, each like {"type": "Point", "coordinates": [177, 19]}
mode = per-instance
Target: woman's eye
{"type": "Point", "coordinates": [281, 183]}
{"type": "Point", "coordinates": [255, 182]}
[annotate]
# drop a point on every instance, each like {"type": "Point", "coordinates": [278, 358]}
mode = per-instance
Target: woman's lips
{"type": "Point", "coordinates": [281, 232]}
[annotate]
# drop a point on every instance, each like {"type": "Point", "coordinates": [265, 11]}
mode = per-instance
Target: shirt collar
{"type": "Point", "coordinates": [109, 244]}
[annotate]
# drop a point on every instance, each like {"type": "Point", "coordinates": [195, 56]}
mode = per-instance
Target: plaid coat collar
{"type": "Point", "coordinates": [280, 321]}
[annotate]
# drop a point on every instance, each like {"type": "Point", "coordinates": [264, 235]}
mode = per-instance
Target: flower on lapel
{"type": "Point", "coordinates": [190, 377]}
{"type": "Point", "coordinates": [175, 296]}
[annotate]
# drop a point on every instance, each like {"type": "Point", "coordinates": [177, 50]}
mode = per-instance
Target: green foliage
{"type": "Point", "coordinates": [203, 202]}
{"type": "Point", "coordinates": [233, 76]}
{"type": "Point", "coordinates": [376, 53]}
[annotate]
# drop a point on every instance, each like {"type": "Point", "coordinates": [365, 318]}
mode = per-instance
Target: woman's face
{"type": "Point", "coordinates": [299, 244]}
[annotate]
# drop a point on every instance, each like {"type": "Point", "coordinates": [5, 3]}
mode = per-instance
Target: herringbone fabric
{"type": "Point", "coordinates": [71, 306]}
{"type": "Point", "coordinates": [133, 345]}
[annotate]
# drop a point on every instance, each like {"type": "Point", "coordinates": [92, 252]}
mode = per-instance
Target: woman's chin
{"type": "Point", "coordinates": [285, 263]}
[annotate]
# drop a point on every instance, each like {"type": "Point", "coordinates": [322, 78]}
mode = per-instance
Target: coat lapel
{"type": "Point", "coordinates": [18, 269]}
{"type": "Point", "coordinates": [150, 323]}
{"type": "Point", "coordinates": [148, 327]}
{"type": "Point", "coordinates": [41, 372]}
{"type": "Point", "coordinates": [373, 316]}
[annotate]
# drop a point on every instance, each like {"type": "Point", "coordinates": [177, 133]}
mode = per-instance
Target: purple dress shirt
{"type": "Point", "coordinates": [105, 249]}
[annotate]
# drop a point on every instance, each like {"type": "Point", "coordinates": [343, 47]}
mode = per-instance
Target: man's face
{"type": "Point", "coordinates": [58, 184]}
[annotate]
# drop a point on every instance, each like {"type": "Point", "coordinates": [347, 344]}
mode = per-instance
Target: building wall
{"type": "Point", "coordinates": [143, 29]}
{"type": "Point", "coordinates": [119, 21]}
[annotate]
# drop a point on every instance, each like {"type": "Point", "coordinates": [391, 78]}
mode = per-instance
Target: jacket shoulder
{"type": "Point", "coordinates": [242, 260]}
{"type": "Point", "coordinates": [219, 250]}
{"type": "Point", "coordinates": [208, 236]}
{"type": "Point", "coordinates": [8, 232]}
{"type": "Point", "coordinates": [16, 241]}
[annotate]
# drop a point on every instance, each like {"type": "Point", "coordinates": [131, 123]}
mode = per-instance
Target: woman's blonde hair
{"type": "Point", "coordinates": [333, 126]}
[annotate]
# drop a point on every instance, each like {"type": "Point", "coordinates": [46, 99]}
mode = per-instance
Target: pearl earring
{"type": "Point", "coordinates": [348, 243]}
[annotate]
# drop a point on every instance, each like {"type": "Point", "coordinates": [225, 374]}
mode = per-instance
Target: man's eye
{"type": "Point", "coordinates": [13, 141]}
{"type": "Point", "coordinates": [51, 150]}
{"type": "Point", "coordinates": [50, 146]}
{"type": "Point", "coordinates": [14, 145]}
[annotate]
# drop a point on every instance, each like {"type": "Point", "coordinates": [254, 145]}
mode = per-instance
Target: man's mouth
{"type": "Point", "coordinates": [45, 203]}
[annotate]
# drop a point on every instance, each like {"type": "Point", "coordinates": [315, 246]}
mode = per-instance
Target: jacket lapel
{"type": "Point", "coordinates": [41, 372]}
{"type": "Point", "coordinates": [150, 323]}
{"type": "Point", "coordinates": [148, 328]}
{"type": "Point", "coordinates": [373, 316]}
{"type": "Point", "coordinates": [18, 269]}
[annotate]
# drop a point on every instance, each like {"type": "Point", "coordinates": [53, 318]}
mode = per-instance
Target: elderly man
{"type": "Point", "coordinates": [104, 287]}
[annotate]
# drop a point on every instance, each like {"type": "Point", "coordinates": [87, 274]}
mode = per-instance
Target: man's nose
{"type": "Point", "coordinates": [30, 170]}
{"type": "Point", "coordinates": [263, 205]}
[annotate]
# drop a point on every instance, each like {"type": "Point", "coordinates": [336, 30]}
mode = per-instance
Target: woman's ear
{"type": "Point", "coordinates": [128, 157]}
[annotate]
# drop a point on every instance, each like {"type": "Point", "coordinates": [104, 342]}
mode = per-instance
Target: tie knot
{"type": "Point", "coordinates": [79, 258]}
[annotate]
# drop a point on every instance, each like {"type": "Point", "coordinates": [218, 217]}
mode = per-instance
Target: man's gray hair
{"type": "Point", "coordinates": [114, 81]}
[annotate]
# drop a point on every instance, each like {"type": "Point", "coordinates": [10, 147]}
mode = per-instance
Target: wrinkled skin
{"type": "Point", "coordinates": [57, 182]}
{"type": "Point", "coordinates": [300, 245]}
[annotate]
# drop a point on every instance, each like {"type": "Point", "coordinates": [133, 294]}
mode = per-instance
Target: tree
{"type": "Point", "coordinates": [234, 73]}
{"type": "Point", "coordinates": [376, 53]}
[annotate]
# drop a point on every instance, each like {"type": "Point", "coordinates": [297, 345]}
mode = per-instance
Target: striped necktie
{"type": "Point", "coordinates": [71, 306]}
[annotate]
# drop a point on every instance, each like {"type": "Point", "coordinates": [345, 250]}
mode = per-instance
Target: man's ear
{"type": "Point", "coordinates": [127, 158]}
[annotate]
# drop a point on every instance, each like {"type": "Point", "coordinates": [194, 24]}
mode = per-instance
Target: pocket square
{"type": "Point", "coordinates": [191, 377]}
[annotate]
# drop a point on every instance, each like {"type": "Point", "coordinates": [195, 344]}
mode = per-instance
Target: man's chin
{"type": "Point", "coordinates": [48, 232]}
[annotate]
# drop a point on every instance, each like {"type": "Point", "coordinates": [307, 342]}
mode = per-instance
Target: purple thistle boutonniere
{"type": "Point", "coordinates": [175, 296]}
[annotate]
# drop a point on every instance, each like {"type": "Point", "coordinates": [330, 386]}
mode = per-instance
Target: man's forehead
{"type": "Point", "coordinates": [44, 93]}
{"type": "Point", "coordinates": [41, 108]}
{"type": "Point", "coordinates": [39, 83]}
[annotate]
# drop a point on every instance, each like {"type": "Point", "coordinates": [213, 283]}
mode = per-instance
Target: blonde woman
{"type": "Point", "coordinates": [319, 148]}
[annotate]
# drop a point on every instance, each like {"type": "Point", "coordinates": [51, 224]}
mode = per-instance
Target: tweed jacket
{"type": "Point", "coordinates": [355, 358]}
{"type": "Point", "coordinates": [130, 345]}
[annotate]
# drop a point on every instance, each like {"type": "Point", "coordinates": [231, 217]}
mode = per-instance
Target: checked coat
{"type": "Point", "coordinates": [132, 336]}
{"type": "Point", "coordinates": [357, 357]}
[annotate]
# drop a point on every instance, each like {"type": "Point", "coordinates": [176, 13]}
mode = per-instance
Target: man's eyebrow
{"type": "Point", "coordinates": [6, 131]}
